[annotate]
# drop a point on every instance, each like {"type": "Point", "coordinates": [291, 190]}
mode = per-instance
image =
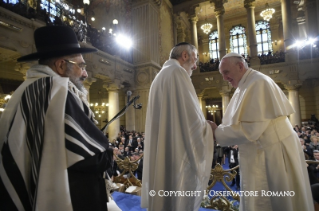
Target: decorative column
{"type": "Point", "coordinates": [225, 100]}
{"type": "Point", "coordinates": [291, 55]}
{"type": "Point", "coordinates": [87, 84]}
{"type": "Point", "coordinates": [293, 96]}
{"type": "Point", "coordinates": [200, 102]}
{"type": "Point", "coordinates": [204, 108]}
{"type": "Point", "coordinates": [146, 59]}
{"type": "Point", "coordinates": [130, 116]}
{"type": "Point", "coordinates": [301, 20]}
{"type": "Point", "coordinates": [145, 15]}
{"type": "Point", "coordinates": [219, 13]}
{"type": "Point", "coordinates": [225, 92]}
{"type": "Point", "coordinates": [312, 17]}
{"type": "Point", "coordinates": [181, 36]}
{"type": "Point", "coordinates": [113, 92]}
{"type": "Point", "coordinates": [194, 30]}
{"type": "Point", "coordinates": [250, 8]}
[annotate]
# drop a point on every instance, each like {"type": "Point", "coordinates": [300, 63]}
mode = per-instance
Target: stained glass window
{"type": "Point", "coordinates": [263, 35]}
{"type": "Point", "coordinates": [238, 40]}
{"type": "Point", "coordinates": [213, 45]}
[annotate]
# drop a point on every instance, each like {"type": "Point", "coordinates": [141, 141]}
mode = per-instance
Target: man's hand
{"type": "Point", "coordinates": [212, 125]}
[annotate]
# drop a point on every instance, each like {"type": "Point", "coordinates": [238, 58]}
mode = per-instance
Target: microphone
{"type": "Point", "coordinates": [138, 106]}
{"type": "Point", "coordinates": [128, 93]}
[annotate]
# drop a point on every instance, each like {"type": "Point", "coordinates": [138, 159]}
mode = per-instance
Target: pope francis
{"type": "Point", "coordinates": [179, 142]}
{"type": "Point", "coordinates": [271, 160]}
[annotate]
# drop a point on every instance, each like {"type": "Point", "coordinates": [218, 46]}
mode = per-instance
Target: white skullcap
{"type": "Point", "coordinates": [232, 54]}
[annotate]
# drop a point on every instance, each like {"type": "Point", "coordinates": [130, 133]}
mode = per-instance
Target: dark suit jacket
{"type": "Point", "coordinates": [235, 153]}
{"type": "Point", "coordinates": [139, 170]}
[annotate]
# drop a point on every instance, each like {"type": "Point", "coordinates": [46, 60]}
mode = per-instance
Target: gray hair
{"type": "Point", "coordinates": [237, 59]}
{"type": "Point", "coordinates": [178, 49]}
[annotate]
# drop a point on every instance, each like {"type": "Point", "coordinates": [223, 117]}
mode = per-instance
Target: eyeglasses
{"type": "Point", "coordinates": [81, 65]}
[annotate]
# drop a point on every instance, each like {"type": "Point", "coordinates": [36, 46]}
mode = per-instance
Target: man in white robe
{"type": "Point", "coordinates": [270, 155]}
{"type": "Point", "coordinates": [179, 144]}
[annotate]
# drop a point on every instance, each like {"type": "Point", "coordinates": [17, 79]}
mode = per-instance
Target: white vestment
{"type": "Point", "coordinates": [179, 145]}
{"type": "Point", "coordinates": [271, 158]}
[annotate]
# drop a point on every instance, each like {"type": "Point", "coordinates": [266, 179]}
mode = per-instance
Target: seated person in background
{"type": "Point", "coordinates": [306, 149]}
{"type": "Point", "coordinates": [314, 143]}
{"type": "Point", "coordinates": [139, 171]}
{"type": "Point", "coordinates": [315, 166]}
{"type": "Point", "coordinates": [127, 152]}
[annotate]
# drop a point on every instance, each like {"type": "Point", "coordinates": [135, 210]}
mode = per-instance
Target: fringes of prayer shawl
{"type": "Point", "coordinates": [81, 98]}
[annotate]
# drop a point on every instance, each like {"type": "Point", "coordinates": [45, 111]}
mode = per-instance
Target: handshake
{"type": "Point", "coordinates": [212, 125]}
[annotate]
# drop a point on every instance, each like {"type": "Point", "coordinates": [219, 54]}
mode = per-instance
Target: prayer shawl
{"type": "Point", "coordinates": [50, 147]}
{"type": "Point", "coordinates": [179, 144]}
{"type": "Point", "coordinates": [270, 155]}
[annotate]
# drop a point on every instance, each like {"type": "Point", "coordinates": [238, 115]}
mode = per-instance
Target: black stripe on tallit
{"type": "Point", "coordinates": [76, 149]}
{"type": "Point", "coordinates": [86, 109]}
{"type": "Point", "coordinates": [6, 202]}
{"type": "Point", "coordinates": [74, 111]}
{"type": "Point", "coordinates": [15, 177]}
{"type": "Point", "coordinates": [34, 104]}
{"type": "Point", "coordinates": [72, 132]}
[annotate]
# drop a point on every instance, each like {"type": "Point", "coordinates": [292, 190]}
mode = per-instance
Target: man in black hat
{"type": "Point", "coordinates": [52, 154]}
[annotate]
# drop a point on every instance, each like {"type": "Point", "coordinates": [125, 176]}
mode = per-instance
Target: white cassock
{"type": "Point", "coordinates": [179, 143]}
{"type": "Point", "coordinates": [271, 158]}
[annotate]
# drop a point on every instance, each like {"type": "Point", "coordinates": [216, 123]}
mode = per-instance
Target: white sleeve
{"type": "Point", "coordinates": [241, 133]}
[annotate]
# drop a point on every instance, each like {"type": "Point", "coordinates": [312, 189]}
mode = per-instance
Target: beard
{"type": "Point", "coordinates": [188, 67]}
{"type": "Point", "coordinates": [77, 81]}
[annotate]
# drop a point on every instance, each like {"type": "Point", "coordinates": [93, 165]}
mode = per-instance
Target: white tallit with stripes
{"type": "Point", "coordinates": [36, 149]}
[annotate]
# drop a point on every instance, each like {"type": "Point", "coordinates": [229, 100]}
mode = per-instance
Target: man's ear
{"type": "Point", "coordinates": [184, 55]}
{"type": "Point", "coordinates": [60, 67]}
{"type": "Point", "coordinates": [241, 66]}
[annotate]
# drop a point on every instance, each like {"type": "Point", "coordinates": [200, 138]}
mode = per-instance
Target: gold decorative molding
{"type": "Point", "coordinates": [16, 18]}
{"type": "Point", "coordinates": [249, 3]}
{"type": "Point", "coordinates": [10, 26]}
{"type": "Point", "coordinates": [194, 19]}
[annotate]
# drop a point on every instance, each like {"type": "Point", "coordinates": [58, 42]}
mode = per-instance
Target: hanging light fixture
{"type": "Point", "coordinates": [267, 13]}
{"type": "Point", "coordinates": [206, 27]}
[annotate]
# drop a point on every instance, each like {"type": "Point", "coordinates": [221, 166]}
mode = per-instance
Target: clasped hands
{"type": "Point", "coordinates": [212, 125]}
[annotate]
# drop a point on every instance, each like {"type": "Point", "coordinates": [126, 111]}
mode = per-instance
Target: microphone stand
{"type": "Point", "coordinates": [121, 113]}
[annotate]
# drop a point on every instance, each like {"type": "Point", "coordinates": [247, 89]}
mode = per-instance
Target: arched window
{"type": "Point", "coordinates": [238, 42]}
{"type": "Point", "coordinates": [213, 45]}
{"type": "Point", "coordinates": [263, 36]}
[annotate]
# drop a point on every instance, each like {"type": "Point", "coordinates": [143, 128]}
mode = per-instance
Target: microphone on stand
{"type": "Point", "coordinates": [138, 106]}
{"type": "Point", "coordinates": [128, 93]}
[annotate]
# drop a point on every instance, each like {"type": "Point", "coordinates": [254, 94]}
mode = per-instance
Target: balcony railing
{"type": "Point", "coordinates": [63, 15]}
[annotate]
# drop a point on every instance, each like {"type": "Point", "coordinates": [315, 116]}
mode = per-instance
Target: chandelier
{"type": "Point", "coordinates": [3, 101]}
{"type": "Point", "coordinates": [206, 27]}
{"type": "Point", "coordinates": [267, 13]}
{"type": "Point", "coordinates": [99, 109]}
{"type": "Point", "coordinates": [212, 109]}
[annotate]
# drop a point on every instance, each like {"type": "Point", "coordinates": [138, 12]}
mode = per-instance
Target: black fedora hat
{"type": "Point", "coordinates": [55, 41]}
